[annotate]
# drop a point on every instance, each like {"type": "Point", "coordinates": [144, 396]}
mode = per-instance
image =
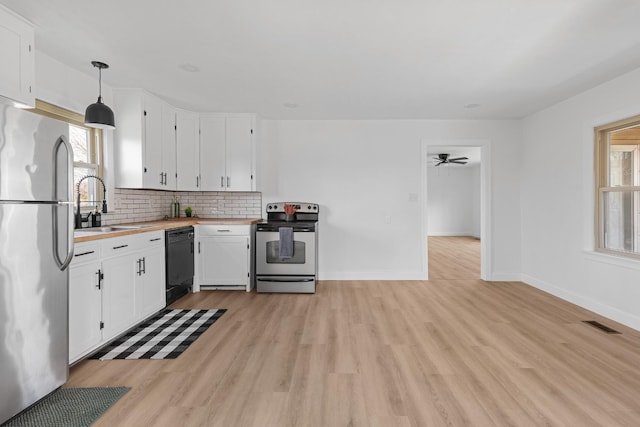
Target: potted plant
{"type": "Point", "coordinates": [187, 211]}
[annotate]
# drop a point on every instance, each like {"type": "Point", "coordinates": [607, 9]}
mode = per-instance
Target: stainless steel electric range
{"type": "Point", "coordinates": [295, 269]}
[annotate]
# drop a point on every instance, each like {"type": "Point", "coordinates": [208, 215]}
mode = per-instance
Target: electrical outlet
{"type": "Point", "coordinates": [387, 219]}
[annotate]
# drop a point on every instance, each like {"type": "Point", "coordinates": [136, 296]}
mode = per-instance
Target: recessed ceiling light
{"type": "Point", "coordinates": [190, 68]}
{"type": "Point", "coordinates": [291, 105]}
{"type": "Point", "coordinates": [470, 106]}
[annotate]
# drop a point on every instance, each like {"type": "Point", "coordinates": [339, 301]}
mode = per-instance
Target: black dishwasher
{"type": "Point", "coordinates": [179, 262]}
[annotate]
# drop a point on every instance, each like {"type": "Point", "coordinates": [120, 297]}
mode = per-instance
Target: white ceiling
{"type": "Point", "coordinates": [346, 59]}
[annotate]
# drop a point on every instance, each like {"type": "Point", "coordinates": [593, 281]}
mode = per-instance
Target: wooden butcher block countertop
{"type": "Point", "coordinates": [88, 234]}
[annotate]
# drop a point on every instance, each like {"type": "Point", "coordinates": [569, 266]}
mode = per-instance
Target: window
{"type": "Point", "coordinates": [87, 152]}
{"type": "Point", "coordinates": [618, 187]}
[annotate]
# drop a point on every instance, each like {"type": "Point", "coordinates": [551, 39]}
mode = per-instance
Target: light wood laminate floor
{"type": "Point", "coordinates": [454, 257]}
{"type": "Point", "coordinates": [432, 353]}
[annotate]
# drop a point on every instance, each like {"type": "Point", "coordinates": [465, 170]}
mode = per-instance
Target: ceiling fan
{"type": "Point", "coordinates": [444, 159]}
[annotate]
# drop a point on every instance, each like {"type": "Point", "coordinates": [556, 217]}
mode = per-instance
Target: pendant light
{"type": "Point", "coordinates": [99, 115]}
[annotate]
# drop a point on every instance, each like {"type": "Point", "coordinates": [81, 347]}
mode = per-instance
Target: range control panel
{"type": "Point", "coordinates": [300, 207]}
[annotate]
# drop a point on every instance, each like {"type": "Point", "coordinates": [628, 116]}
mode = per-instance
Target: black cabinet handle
{"type": "Point", "coordinates": [120, 247]}
{"type": "Point", "coordinates": [85, 253]}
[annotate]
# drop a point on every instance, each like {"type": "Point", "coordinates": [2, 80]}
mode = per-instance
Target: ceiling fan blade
{"type": "Point", "coordinates": [459, 158]}
{"type": "Point", "coordinates": [438, 164]}
{"type": "Point", "coordinates": [457, 162]}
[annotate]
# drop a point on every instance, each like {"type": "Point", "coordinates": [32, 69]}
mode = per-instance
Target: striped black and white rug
{"type": "Point", "coordinates": [164, 336]}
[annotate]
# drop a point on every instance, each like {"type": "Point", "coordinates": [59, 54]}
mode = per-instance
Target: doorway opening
{"type": "Point", "coordinates": [456, 209]}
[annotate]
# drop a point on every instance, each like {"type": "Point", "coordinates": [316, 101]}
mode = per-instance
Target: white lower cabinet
{"type": "Point", "coordinates": [85, 300]}
{"type": "Point", "coordinates": [118, 302]}
{"type": "Point", "coordinates": [224, 257]}
{"type": "Point", "coordinates": [149, 296]}
{"type": "Point", "coordinates": [120, 286]}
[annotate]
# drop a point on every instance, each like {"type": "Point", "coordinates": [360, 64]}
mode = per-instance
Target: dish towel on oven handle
{"type": "Point", "coordinates": [285, 248]}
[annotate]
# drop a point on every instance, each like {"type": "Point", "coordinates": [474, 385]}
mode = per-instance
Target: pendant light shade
{"type": "Point", "coordinates": [99, 115]}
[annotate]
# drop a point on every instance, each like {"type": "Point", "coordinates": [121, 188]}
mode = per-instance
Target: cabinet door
{"type": "Point", "coordinates": [212, 154]}
{"type": "Point", "coordinates": [187, 151]}
{"type": "Point", "coordinates": [239, 154]}
{"type": "Point", "coordinates": [152, 137]}
{"type": "Point", "coordinates": [224, 261]}
{"type": "Point", "coordinates": [17, 52]}
{"type": "Point", "coordinates": [150, 292]}
{"type": "Point", "coordinates": [118, 294]}
{"type": "Point", "coordinates": [169, 147]}
{"type": "Point", "coordinates": [85, 311]}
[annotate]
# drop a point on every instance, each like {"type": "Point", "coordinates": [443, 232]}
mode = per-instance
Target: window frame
{"type": "Point", "coordinates": [96, 153]}
{"type": "Point", "coordinates": [602, 183]}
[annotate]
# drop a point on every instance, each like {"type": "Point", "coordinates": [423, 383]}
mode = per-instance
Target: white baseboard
{"type": "Point", "coordinates": [401, 275]}
{"type": "Point", "coordinates": [506, 277]}
{"type": "Point", "coordinates": [372, 275]}
{"type": "Point", "coordinates": [612, 313]}
{"type": "Point", "coordinates": [451, 233]}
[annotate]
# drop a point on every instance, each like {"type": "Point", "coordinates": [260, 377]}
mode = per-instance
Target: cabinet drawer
{"type": "Point", "coordinates": [152, 239]}
{"type": "Point", "coordinates": [115, 246]}
{"type": "Point", "coordinates": [85, 252]}
{"type": "Point", "coordinates": [223, 230]}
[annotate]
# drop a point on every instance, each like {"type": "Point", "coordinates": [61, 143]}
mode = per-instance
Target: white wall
{"type": "Point", "coordinates": [557, 201]}
{"type": "Point", "coordinates": [364, 173]}
{"type": "Point", "coordinates": [361, 172]}
{"type": "Point", "coordinates": [453, 200]}
{"type": "Point", "coordinates": [66, 87]}
{"type": "Point", "coordinates": [58, 84]}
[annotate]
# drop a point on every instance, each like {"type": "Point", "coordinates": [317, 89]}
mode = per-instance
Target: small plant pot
{"type": "Point", "coordinates": [188, 214]}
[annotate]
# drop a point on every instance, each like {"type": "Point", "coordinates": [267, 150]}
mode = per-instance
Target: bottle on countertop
{"type": "Point", "coordinates": [175, 208]}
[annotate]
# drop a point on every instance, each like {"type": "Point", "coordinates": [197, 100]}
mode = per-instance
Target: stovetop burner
{"type": "Point", "coordinates": [305, 218]}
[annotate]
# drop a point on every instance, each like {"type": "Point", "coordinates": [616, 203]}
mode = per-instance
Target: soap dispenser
{"type": "Point", "coordinates": [96, 218]}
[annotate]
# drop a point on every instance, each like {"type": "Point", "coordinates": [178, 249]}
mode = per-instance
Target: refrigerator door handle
{"type": "Point", "coordinates": [68, 203]}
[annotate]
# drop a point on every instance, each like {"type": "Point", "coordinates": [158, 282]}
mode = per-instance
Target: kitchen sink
{"type": "Point", "coordinates": [110, 229]}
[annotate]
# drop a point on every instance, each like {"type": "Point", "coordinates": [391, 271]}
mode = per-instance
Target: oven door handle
{"type": "Point", "coordinates": [284, 280]}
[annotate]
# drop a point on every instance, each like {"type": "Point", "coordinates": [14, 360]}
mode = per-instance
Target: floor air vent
{"type": "Point", "coordinates": [600, 326]}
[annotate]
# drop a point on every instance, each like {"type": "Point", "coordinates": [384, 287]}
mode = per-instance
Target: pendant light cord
{"type": "Point", "coordinates": [99, 83]}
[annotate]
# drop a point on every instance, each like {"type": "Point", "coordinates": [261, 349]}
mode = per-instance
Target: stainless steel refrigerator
{"type": "Point", "coordinates": [36, 247]}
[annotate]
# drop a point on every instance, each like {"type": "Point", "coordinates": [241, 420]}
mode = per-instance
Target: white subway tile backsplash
{"type": "Point", "coordinates": [150, 205]}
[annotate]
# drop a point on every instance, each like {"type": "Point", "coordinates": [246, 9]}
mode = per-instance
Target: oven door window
{"type": "Point", "coordinates": [273, 253]}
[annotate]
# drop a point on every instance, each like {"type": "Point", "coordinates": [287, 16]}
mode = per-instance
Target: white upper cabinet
{"type": "Point", "coordinates": [161, 147]}
{"type": "Point", "coordinates": [144, 139]}
{"type": "Point", "coordinates": [240, 154]}
{"type": "Point", "coordinates": [212, 153]}
{"type": "Point", "coordinates": [17, 72]}
{"type": "Point", "coordinates": [227, 153]}
{"type": "Point", "coordinates": [187, 151]}
{"type": "Point", "coordinates": [152, 136]}
{"type": "Point", "coordinates": [168, 161]}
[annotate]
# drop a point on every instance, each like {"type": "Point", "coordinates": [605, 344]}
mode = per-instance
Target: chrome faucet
{"type": "Point", "coordinates": [104, 199]}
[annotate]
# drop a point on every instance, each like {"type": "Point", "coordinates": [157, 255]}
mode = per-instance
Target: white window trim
{"type": "Point", "coordinates": [601, 173]}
